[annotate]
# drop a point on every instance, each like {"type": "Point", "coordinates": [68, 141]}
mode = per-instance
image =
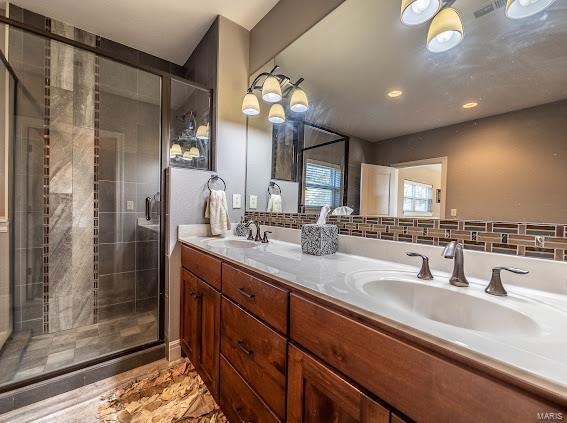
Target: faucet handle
{"type": "Point", "coordinates": [265, 240]}
{"type": "Point", "coordinates": [425, 272]}
{"type": "Point", "coordinates": [250, 236]}
{"type": "Point", "coordinates": [495, 286]}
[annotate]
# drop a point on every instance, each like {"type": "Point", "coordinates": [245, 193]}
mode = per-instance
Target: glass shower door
{"type": "Point", "coordinates": [87, 214]}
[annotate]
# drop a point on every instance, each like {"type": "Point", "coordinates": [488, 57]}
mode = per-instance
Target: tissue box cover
{"type": "Point", "coordinates": [319, 240]}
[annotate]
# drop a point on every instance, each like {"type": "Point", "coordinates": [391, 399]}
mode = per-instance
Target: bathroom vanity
{"type": "Point", "coordinates": [281, 336]}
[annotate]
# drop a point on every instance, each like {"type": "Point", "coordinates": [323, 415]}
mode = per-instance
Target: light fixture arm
{"type": "Point", "coordinates": [292, 87]}
{"type": "Point", "coordinates": [255, 85]}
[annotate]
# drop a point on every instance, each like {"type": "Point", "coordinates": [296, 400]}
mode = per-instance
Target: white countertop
{"type": "Point", "coordinates": [338, 277]}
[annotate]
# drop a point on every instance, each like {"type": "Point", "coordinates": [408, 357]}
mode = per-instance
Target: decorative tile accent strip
{"type": "Point", "coordinates": [46, 139]}
{"type": "Point", "coordinates": [95, 188]}
{"type": "Point", "coordinates": [546, 241]}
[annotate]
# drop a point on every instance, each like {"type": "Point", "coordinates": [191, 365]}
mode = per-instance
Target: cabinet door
{"type": "Point", "coordinates": [190, 316]}
{"type": "Point", "coordinates": [209, 331]}
{"type": "Point", "coordinates": [317, 394]}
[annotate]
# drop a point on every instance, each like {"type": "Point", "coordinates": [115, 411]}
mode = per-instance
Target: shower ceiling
{"type": "Point", "coordinates": [169, 29]}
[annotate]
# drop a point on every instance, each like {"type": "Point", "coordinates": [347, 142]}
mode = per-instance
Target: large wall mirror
{"type": "Point", "coordinates": [477, 132]}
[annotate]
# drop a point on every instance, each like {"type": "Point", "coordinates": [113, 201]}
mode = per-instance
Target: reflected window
{"type": "Point", "coordinates": [190, 137]}
{"type": "Point", "coordinates": [418, 198]}
{"type": "Point", "coordinates": [322, 185]}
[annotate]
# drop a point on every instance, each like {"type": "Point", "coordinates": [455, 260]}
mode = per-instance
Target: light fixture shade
{"type": "Point", "coordinates": [415, 12]}
{"type": "Point", "coordinates": [175, 151]}
{"type": "Point", "coordinates": [271, 90]}
{"type": "Point", "coordinates": [194, 152]}
{"type": "Point", "coordinates": [299, 102]}
{"type": "Point", "coordinates": [203, 132]}
{"type": "Point", "coordinates": [277, 113]}
{"type": "Point", "coordinates": [445, 31]}
{"type": "Point", "coordinates": [519, 9]}
{"type": "Point", "coordinates": [250, 105]}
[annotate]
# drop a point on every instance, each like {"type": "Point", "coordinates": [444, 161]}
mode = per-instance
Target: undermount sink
{"type": "Point", "coordinates": [232, 243]}
{"type": "Point", "coordinates": [459, 307]}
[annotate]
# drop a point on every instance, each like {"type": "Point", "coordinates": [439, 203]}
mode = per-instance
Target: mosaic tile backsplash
{"type": "Point", "coordinates": [545, 241]}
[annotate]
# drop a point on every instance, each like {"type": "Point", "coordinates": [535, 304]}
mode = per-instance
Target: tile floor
{"type": "Point", "coordinates": [24, 356]}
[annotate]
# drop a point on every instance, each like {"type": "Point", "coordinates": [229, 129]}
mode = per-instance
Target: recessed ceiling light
{"type": "Point", "coordinates": [395, 93]}
{"type": "Point", "coordinates": [470, 105]}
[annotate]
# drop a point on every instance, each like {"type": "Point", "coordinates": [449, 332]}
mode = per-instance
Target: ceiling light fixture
{"type": "Point", "coordinates": [519, 9]}
{"type": "Point", "coordinates": [395, 93]}
{"type": "Point", "coordinates": [415, 12]}
{"type": "Point", "coordinates": [274, 88]}
{"type": "Point", "coordinates": [277, 113]}
{"type": "Point", "coordinates": [445, 32]}
{"type": "Point", "coordinates": [470, 105]}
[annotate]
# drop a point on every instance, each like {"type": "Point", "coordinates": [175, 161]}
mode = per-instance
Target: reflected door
{"type": "Point", "coordinates": [378, 188]}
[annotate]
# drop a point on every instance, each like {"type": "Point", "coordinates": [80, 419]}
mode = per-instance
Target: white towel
{"type": "Point", "coordinates": [217, 212]}
{"type": "Point", "coordinates": [342, 211]}
{"type": "Point", "coordinates": [275, 203]}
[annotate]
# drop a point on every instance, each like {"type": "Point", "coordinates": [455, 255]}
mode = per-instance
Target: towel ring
{"type": "Point", "coordinates": [215, 178]}
{"type": "Point", "coordinates": [273, 185]}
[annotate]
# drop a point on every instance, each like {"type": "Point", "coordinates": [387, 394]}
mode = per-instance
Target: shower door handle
{"type": "Point", "coordinates": [148, 208]}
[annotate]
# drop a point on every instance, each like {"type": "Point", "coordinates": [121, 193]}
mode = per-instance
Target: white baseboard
{"type": "Point", "coordinates": [174, 350]}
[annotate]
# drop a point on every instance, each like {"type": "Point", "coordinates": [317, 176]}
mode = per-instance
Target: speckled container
{"type": "Point", "coordinates": [319, 240]}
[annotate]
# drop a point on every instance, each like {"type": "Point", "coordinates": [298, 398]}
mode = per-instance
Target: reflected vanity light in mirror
{"type": "Point", "coordinates": [395, 93]}
{"type": "Point", "coordinates": [203, 132]}
{"type": "Point", "coordinates": [271, 90]}
{"type": "Point", "coordinates": [299, 102]}
{"type": "Point", "coordinates": [470, 105]}
{"type": "Point", "coordinates": [519, 9]}
{"type": "Point", "coordinates": [445, 31]}
{"type": "Point", "coordinates": [277, 114]}
{"type": "Point", "coordinates": [415, 12]}
{"type": "Point", "coordinates": [250, 105]}
{"type": "Point", "coordinates": [175, 151]}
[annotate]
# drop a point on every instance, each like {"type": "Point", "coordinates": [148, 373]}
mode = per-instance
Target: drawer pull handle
{"type": "Point", "coordinates": [245, 294]}
{"type": "Point", "coordinates": [242, 346]}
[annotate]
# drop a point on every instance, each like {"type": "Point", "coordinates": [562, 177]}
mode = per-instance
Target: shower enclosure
{"type": "Point", "coordinates": [84, 208]}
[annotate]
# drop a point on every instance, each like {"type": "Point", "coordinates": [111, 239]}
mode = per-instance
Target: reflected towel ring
{"type": "Point", "coordinates": [273, 185]}
{"type": "Point", "coordinates": [215, 178]}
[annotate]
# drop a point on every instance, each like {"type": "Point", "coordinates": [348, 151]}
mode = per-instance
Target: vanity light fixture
{"type": "Point", "coordinates": [415, 12]}
{"type": "Point", "coordinates": [274, 88]}
{"type": "Point", "coordinates": [194, 152]}
{"type": "Point", "coordinates": [470, 105]}
{"type": "Point", "coordinates": [519, 9]}
{"type": "Point", "coordinates": [203, 132]}
{"type": "Point", "coordinates": [271, 90]}
{"type": "Point", "coordinates": [250, 104]}
{"type": "Point", "coordinates": [277, 113]}
{"type": "Point", "coordinates": [395, 93]}
{"type": "Point", "coordinates": [446, 31]}
{"type": "Point", "coordinates": [299, 102]}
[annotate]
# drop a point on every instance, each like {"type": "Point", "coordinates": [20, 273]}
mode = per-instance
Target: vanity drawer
{"type": "Point", "coordinates": [238, 401]}
{"type": "Point", "coordinates": [421, 385]}
{"type": "Point", "coordinates": [263, 300]}
{"type": "Point", "coordinates": [257, 352]}
{"type": "Point", "coordinates": [203, 265]}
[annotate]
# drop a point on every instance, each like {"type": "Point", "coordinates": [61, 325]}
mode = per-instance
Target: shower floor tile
{"type": "Point", "coordinates": [23, 356]}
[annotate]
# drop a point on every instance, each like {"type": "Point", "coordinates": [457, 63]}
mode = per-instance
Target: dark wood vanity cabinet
{"type": "Point", "coordinates": [271, 355]}
{"type": "Point", "coordinates": [318, 394]}
{"type": "Point", "coordinates": [200, 328]}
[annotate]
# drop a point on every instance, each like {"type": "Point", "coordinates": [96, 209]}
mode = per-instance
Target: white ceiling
{"type": "Point", "coordinates": [358, 53]}
{"type": "Point", "coordinates": [170, 29]}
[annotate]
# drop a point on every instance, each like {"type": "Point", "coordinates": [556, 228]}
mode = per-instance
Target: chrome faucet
{"type": "Point", "coordinates": [454, 250]}
{"type": "Point", "coordinates": [495, 286]}
{"type": "Point", "coordinates": [258, 237]}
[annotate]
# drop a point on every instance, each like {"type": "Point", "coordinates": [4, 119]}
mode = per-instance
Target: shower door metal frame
{"type": "Point", "coordinates": [166, 78]}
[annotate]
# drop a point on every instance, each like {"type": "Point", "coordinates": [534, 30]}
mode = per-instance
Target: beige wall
{"type": "Point", "coordinates": [283, 24]}
{"type": "Point", "coordinates": [510, 167]}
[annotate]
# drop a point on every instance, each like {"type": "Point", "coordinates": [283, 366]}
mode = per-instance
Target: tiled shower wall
{"type": "Point", "coordinates": [546, 241]}
{"type": "Point", "coordinates": [87, 155]}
